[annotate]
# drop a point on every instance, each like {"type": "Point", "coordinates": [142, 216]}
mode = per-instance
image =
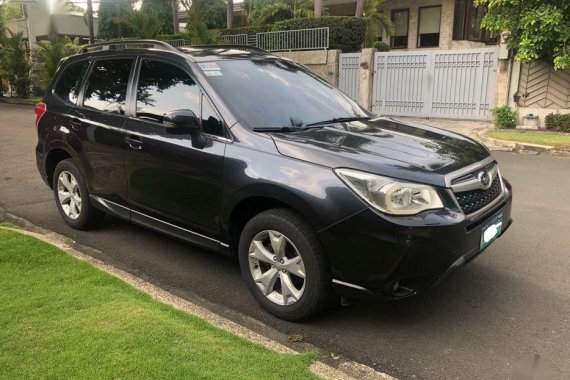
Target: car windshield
{"type": "Point", "coordinates": [274, 93]}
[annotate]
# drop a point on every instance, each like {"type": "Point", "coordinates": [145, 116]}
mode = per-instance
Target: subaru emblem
{"type": "Point", "coordinates": [485, 178]}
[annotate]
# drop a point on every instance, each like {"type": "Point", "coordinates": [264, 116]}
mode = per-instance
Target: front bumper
{"type": "Point", "coordinates": [372, 254]}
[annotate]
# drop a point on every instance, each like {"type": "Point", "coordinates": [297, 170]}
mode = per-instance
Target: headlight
{"type": "Point", "coordinates": [389, 195]}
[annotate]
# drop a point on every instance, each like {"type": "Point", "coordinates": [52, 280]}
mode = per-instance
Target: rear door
{"type": "Point", "coordinates": [99, 119]}
{"type": "Point", "coordinates": [175, 178]}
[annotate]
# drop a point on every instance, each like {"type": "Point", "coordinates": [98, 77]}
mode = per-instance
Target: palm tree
{"type": "Point", "coordinates": [375, 20]}
{"type": "Point", "coordinates": [359, 8]}
{"type": "Point", "coordinates": [230, 22]}
{"type": "Point", "coordinates": [50, 53]}
{"type": "Point", "coordinates": [284, 10]}
{"type": "Point", "coordinates": [318, 8]}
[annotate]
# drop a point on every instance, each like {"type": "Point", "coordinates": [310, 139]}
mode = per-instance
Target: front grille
{"type": "Point", "coordinates": [473, 200]}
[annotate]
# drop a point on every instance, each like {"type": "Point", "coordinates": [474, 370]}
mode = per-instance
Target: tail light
{"type": "Point", "coordinates": [39, 110]}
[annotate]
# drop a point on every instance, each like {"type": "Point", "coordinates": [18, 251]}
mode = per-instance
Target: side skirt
{"type": "Point", "coordinates": [160, 225]}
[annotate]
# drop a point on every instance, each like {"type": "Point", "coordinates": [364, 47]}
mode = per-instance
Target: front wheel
{"type": "Point", "coordinates": [284, 266]}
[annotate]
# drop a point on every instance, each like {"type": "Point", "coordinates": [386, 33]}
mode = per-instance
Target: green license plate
{"type": "Point", "coordinates": [491, 231]}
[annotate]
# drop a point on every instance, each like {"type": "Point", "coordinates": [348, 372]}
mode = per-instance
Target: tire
{"type": "Point", "coordinates": [280, 288]}
{"type": "Point", "coordinates": [83, 217]}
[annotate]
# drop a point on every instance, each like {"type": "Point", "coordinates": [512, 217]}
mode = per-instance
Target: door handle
{"type": "Point", "coordinates": [75, 123]}
{"type": "Point", "coordinates": [135, 142]}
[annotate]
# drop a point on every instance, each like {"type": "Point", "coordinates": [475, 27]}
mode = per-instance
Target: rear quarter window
{"type": "Point", "coordinates": [69, 82]}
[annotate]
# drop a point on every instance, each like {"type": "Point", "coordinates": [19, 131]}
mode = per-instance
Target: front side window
{"type": "Point", "coordinates": [429, 23]}
{"type": "Point", "coordinates": [400, 18]}
{"type": "Point", "coordinates": [163, 88]}
{"type": "Point", "coordinates": [106, 88]}
{"type": "Point", "coordinates": [67, 87]}
{"type": "Point", "coordinates": [275, 93]}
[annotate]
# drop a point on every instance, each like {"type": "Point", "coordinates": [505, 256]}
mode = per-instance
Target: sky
{"type": "Point", "coordinates": [83, 3]}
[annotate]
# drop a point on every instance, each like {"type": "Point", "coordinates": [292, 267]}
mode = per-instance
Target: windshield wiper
{"type": "Point", "coordinates": [337, 120]}
{"type": "Point", "coordinates": [289, 128]}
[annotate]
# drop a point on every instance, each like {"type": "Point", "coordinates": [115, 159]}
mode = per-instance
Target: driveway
{"type": "Point", "coordinates": [509, 305]}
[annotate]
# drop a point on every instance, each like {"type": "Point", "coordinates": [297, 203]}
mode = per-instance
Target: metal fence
{"type": "Point", "coordinates": [349, 74]}
{"type": "Point", "coordinates": [288, 40]}
{"type": "Point", "coordinates": [440, 83]}
{"type": "Point", "coordinates": [177, 43]}
{"type": "Point", "coordinates": [233, 39]}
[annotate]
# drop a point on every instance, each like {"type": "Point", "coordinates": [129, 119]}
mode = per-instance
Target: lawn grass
{"type": "Point", "coordinates": [62, 318]}
{"type": "Point", "coordinates": [560, 140]}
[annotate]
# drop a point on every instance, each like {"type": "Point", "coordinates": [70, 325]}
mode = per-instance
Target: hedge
{"type": "Point", "coordinates": [345, 33]}
{"type": "Point", "coordinates": [558, 122]}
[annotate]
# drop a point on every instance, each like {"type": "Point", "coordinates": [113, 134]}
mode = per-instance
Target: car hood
{"type": "Point", "coordinates": [386, 146]}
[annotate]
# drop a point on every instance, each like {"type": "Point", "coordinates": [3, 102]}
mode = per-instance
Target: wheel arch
{"type": "Point", "coordinates": [54, 157]}
{"type": "Point", "coordinates": [258, 198]}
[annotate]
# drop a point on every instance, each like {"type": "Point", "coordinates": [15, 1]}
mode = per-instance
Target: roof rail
{"type": "Point", "coordinates": [107, 45]}
{"type": "Point", "coordinates": [229, 46]}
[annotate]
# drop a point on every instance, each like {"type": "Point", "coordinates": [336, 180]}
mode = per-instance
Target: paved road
{"type": "Point", "coordinates": [511, 303]}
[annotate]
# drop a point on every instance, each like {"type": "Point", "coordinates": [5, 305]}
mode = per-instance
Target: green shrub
{"type": "Point", "coordinates": [559, 122]}
{"type": "Point", "coordinates": [381, 46]}
{"type": "Point", "coordinates": [345, 33]}
{"type": "Point", "coordinates": [504, 117]}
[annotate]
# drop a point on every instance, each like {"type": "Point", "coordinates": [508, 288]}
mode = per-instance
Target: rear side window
{"type": "Point", "coordinates": [106, 88]}
{"type": "Point", "coordinates": [67, 87]}
{"type": "Point", "coordinates": [163, 88]}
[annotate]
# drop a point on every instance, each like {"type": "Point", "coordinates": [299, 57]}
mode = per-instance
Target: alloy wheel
{"type": "Point", "coordinates": [69, 195]}
{"type": "Point", "coordinates": [277, 267]}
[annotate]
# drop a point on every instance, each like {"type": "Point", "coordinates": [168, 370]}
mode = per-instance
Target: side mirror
{"type": "Point", "coordinates": [181, 121]}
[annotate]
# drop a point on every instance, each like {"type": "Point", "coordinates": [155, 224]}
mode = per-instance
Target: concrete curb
{"type": "Point", "coordinates": [515, 146]}
{"type": "Point", "coordinates": [25, 102]}
{"type": "Point", "coordinates": [347, 369]}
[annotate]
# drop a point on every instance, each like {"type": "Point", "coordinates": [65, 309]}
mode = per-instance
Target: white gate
{"type": "Point", "coordinates": [439, 83]}
{"type": "Point", "coordinates": [349, 74]}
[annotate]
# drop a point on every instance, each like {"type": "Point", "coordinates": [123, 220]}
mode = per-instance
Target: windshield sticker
{"type": "Point", "coordinates": [209, 66]}
{"type": "Point", "coordinates": [213, 73]}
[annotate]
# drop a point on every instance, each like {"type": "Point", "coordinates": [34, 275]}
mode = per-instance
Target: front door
{"type": "Point", "coordinates": [172, 178]}
{"type": "Point", "coordinates": [98, 121]}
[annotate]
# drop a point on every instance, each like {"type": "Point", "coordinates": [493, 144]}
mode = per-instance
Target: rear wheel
{"type": "Point", "coordinates": [283, 265]}
{"type": "Point", "coordinates": [72, 198]}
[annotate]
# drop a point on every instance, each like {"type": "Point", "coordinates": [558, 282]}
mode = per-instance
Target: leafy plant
{"type": "Point", "coordinates": [50, 53]}
{"type": "Point", "coordinates": [202, 15]}
{"type": "Point", "coordinates": [345, 32]}
{"type": "Point", "coordinates": [162, 9]}
{"type": "Point", "coordinates": [558, 122]}
{"type": "Point", "coordinates": [15, 64]}
{"type": "Point", "coordinates": [381, 46]}
{"type": "Point", "coordinates": [112, 19]}
{"type": "Point", "coordinates": [539, 29]}
{"type": "Point", "coordinates": [504, 117]}
{"type": "Point", "coordinates": [375, 20]}
{"type": "Point", "coordinates": [284, 10]}
{"type": "Point", "coordinates": [144, 24]}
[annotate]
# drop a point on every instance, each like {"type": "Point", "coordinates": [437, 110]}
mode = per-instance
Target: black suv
{"type": "Point", "coordinates": [245, 153]}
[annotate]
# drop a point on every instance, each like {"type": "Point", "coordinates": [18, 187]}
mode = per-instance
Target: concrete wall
{"type": "Point", "coordinates": [323, 62]}
{"type": "Point", "coordinates": [542, 90]}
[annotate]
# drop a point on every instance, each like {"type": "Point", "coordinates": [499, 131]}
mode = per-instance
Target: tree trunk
{"type": "Point", "coordinates": [230, 19]}
{"type": "Point", "coordinates": [359, 8]}
{"type": "Point", "coordinates": [175, 29]}
{"type": "Point", "coordinates": [90, 21]}
{"type": "Point", "coordinates": [318, 4]}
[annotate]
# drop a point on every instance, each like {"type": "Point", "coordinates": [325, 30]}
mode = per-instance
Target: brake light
{"type": "Point", "coordinates": [39, 110]}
